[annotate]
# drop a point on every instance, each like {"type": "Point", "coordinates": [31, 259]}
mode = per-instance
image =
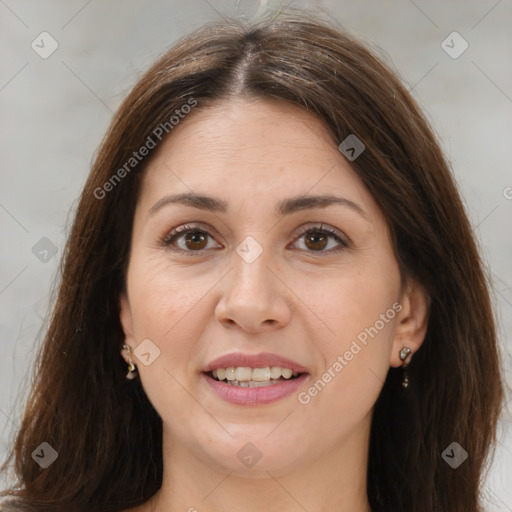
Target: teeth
{"type": "Point", "coordinates": [243, 373]}
{"type": "Point", "coordinates": [251, 376]}
{"type": "Point", "coordinates": [275, 372]}
{"type": "Point", "coordinates": [260, 374]}
{"type": "Point", "coordinates": [252, 383]}
{"type": "Point", "coordinates": [286, 373]}
{"type": "Point", "coordinates": [261, 384]}
{"type": "Point", "coordinates": [230, 373]}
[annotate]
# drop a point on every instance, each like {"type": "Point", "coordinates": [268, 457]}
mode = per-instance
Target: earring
{"type": "Point", "coordinates": [405, 356]}
{"type": "Point", "coordinates": [132, 369]}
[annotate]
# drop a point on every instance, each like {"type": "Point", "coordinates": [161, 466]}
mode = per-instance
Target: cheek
{"type": "Point", "coordinates": [352, 300]}
{"type": "Point", "coordinates": [360, 309]}
{"type": "Point", "coordinates": [164, 310]}
{"type": "Point", "coordinates": [162, 296]}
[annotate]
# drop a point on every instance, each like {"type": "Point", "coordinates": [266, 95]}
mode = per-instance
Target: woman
{"type": "Point", "coordinates": [271, 297]}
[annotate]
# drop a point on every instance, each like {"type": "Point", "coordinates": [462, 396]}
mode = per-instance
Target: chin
{"type": "Point", "coordinates": [254, 456]}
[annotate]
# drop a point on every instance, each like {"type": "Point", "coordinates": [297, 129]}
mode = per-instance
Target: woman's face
{"type": "Point", "coordinates": [256, 277]}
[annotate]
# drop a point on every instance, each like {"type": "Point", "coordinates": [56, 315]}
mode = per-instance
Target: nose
{"type": "Point", "coordinates": [254, 298]}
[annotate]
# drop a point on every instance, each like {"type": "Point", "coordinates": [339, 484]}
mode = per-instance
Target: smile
{"type": "Point", "coordinates": [246, 377]}
{"type": "Point", "coordinates": [253, 392]}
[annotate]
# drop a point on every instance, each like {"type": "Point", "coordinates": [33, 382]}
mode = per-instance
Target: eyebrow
{"type": "Point", "coordinates": [286, 207]}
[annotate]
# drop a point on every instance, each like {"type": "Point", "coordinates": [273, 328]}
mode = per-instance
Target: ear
{"type": "Point", "coordinates": [125, 317]}
{"type": "Point", "coordinates": [412, 321]}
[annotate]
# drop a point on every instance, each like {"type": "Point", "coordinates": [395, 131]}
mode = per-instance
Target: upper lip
{"type": "Point", "coordinates": [253, 361]}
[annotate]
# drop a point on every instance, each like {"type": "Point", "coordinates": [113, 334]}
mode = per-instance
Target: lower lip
{"type": "Point", "coordinates": [255, 396]}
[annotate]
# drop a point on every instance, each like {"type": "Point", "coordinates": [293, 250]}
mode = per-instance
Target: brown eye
{"type": "Point", "coordinates": [316, 241]}
{"type": "Point", "coordinates": [188, 239]}
{"type": "Point", "coordinates": [195, 240]}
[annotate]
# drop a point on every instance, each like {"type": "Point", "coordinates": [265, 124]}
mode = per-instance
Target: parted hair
{"type": "Point", "coordinates": [106, 432]}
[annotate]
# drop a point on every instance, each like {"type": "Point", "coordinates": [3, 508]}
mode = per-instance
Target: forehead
{"type": "Point", "coordinates": [252, 152]}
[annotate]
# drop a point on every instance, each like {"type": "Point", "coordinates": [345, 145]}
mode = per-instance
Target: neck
{"type": "Point", "coordinates": [334, 480]}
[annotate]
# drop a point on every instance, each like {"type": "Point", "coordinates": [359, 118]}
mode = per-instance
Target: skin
{"type": "Point", "coordinates": [253, 154]}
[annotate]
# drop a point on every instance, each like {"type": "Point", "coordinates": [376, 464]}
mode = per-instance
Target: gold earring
{"type": "Point", "coordinates": [132, 369]}
{"type": "Point", "coordinates": [405, 356]}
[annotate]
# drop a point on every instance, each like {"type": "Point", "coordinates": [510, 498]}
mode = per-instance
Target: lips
{"type": "Point", "coordinates": [257, 393]}
{"type": "Point", "coordinates": [253, 361]}
{"type": "Point", "coordinates": [255, 396]}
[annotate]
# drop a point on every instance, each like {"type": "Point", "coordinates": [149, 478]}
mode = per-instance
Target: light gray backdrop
{"type": "Point", "coordinates": [55, 107]}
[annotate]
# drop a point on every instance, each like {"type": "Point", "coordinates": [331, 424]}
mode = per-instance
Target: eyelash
{"type": "Point", "coordinates": [187, 228]}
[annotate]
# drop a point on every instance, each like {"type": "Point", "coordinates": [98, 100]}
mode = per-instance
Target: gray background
{"type": "Point", "coordinates": [55, 111]}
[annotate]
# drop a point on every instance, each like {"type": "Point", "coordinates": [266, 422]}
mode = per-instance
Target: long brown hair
{"type": "Point", "coordinates": [106, 432]}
